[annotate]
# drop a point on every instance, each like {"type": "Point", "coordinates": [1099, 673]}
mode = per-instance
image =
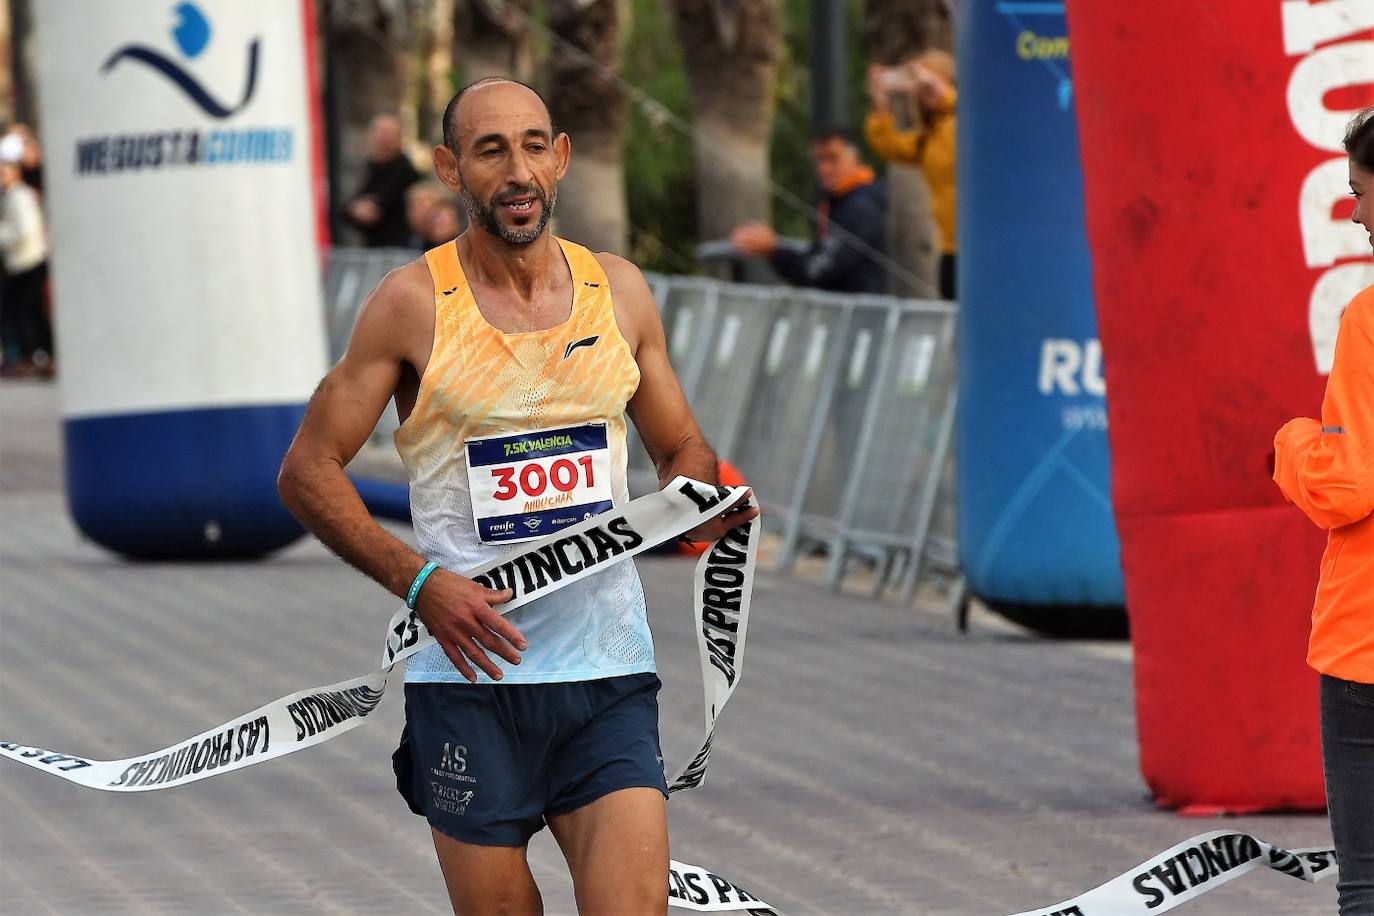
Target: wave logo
{"type": "Point", "coordinates": [191, 34]}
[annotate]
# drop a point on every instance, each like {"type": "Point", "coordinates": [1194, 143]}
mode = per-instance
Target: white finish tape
{"type": "Point", "coordinates": [723, 586]}
{"type": "Point", "coordinates": [1188, 870]}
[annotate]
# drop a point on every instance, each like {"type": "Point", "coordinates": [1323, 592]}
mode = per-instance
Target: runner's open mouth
{"type": "Point", "coordinates": [520, 205]}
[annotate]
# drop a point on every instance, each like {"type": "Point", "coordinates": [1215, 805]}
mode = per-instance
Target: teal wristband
{"type": "Point", "coordinates": [415, 586]}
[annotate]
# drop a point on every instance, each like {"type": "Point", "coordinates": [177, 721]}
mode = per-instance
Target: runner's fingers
{"type": "Point", "coordinates": [495, 644]}
{"type": "Point", "coordinates": [714, 529]}
{"type": "Point", "coordinates": [502, 628]}
{"type": "Point", "coordinates": [479, 658]}
{"type": "Point", "coordinates": [736, 517]}
{"type": "Point", "coordinates": [459, 661]}
{"type": "Point", "coordinates": [742, 501]}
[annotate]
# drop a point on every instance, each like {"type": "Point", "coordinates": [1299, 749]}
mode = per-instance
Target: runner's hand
{"type": "Point", "coordinates": [459, 614]}
{"type": "Point", "coordinates": [714, 529]}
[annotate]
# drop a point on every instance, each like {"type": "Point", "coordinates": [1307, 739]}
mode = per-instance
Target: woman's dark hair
{"type": "Point", "coordinates": [1359, 139]}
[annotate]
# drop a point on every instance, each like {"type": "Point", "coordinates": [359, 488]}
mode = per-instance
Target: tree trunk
{"type": "Point", "coordinates": [491, 38]}
{"type": "Point", "coordinates": [913, 240]}
{"type": "Point", "coordinates": [21, 97]}
{"type": "Point", "coordinates": [438, 70]}
{"type": "Point", "coordinates": [6, 65]}
{"type": "Point", "coordinates": [894, 30]}
{"type": "Point", "coordinates": [587, 103]}
{"type": "Point", "coordinates": [368, 42]}
{"type": "Point", "coordinates": [730, 49]}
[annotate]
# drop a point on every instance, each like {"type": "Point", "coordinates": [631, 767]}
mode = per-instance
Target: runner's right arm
{"type": "Point", "coordinates": [312, 483]}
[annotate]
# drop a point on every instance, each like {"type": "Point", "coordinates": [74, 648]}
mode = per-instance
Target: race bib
{"type": "Point", "coordinates": [530, 484]}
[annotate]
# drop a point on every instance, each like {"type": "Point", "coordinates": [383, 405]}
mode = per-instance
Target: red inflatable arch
{"type": "Point", "coordinates": [1222, 257]}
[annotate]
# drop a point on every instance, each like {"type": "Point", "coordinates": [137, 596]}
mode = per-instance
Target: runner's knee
{"type": "Point", "coordinates": [645, 894]}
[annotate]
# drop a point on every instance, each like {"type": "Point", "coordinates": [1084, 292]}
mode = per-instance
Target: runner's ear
{"type": "Point", "coordinates": [446, 168]}
{"type": "Point", "coordinates": [562, 151]}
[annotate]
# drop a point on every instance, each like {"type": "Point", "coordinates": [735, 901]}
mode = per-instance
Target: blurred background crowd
{"type": "Point", "coordinates": [818, 141]}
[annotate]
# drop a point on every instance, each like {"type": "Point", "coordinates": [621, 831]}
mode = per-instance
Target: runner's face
{"type": "Point", "coordinates": [509, 162]}
{"type": "Point", "coordinates": [1362, 188]}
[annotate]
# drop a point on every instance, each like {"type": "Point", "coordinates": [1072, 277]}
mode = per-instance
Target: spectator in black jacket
{"type": "Point", "coordinates": [849, 227]}
{"type": "Point", "coordinates": [379, 207]}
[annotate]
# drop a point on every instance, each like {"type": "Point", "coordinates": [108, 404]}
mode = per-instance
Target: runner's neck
{"type": "Point", "coordinates": [522, 272]}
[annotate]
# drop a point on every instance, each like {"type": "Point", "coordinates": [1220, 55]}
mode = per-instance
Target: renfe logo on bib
{"type": "Point", "coordinates": [527, 485]}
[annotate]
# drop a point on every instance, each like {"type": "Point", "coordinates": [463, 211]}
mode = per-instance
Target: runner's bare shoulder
{"type": "Point", "coordinates": [397, 318]}
{"type": "Point", "coordinates": [634, 301]}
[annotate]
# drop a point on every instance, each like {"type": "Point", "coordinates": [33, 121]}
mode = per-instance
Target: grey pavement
{"type": "Point", "coordinates": [873, 761]}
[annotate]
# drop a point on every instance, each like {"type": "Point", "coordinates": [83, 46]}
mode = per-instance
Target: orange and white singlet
{"type": "Point", "coordinates": [514, 436]}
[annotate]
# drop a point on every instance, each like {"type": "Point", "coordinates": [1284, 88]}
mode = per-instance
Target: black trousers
{"type": "Point", "coordinates": [24, 325]}
{"type": "Point", "coordinates": [1347, 717]}
{"type": "Point", "coordinates": [948, 274]}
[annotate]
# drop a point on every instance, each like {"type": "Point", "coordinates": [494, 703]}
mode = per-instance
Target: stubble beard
{"type": "Point", "coordinates": [483, 215]}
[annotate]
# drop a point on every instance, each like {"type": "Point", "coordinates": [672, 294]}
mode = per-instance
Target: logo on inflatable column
{"type": "Point", "coordinates": [1052, 52]}
{"type": "Point", "coordinates": [191, 34]}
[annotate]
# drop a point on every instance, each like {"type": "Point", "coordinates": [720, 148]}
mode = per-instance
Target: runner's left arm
{"type": "Point", "coordinates": [659, 408]}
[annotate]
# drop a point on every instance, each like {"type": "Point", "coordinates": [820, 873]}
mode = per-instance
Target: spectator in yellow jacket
{"type": "Point", "coordinates": [913, 122]}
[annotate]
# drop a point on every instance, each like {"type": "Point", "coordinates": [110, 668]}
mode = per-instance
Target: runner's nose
{"type": "Point", "coordinates": [520, 173]}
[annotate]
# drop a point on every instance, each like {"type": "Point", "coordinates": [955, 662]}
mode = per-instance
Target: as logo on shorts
{"type": "Point", "coordinates": [454, 759]}
{"type": "Point", "coordinates": [453, 763]}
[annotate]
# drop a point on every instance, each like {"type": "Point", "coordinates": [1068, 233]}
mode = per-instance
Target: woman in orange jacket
{"type": "Point", "coordinates": [1326, 467]}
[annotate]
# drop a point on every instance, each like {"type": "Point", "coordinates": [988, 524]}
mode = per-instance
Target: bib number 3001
{"type": "Point", "coordinates": [563, 476]}
{"type": "Point", "coordinates": [526, 485]}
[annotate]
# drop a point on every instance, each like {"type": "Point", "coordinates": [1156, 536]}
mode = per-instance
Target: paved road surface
{"type": "Point", "coordinates": [873, 761]}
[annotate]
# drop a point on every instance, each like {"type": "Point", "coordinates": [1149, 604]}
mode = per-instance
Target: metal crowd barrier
{"type": "Point", "coordinates": [838, 410]}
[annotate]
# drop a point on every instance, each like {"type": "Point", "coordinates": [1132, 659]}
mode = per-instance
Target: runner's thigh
{"type": "Point", "coordinates": [617, 851]}
{"type": "Point", "coordinates": [487, 880]}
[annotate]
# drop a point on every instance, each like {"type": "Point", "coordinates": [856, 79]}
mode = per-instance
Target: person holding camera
{"type": "Point", "coordinates": [912, 122]}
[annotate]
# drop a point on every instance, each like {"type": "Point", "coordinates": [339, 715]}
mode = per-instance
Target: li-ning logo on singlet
{"type": "Point", "coordinates": [584, 342]}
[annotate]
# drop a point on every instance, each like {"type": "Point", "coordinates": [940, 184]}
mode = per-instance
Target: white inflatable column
{"type": "Point", "coordinates": [181, 179]}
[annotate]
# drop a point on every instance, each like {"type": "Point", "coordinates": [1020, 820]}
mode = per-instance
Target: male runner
{"type": "Point", "coordinates": [511, 343]}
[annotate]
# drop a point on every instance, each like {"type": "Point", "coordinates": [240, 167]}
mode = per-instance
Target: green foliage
{"type": "Point", "coordinates": [789, 147]}
{"type": "Point", "coordinates": [659, 171]}
{"type": "Point", "coordinates": [789, 152]}
{"type": "Point", "coordinates": [658, 156]}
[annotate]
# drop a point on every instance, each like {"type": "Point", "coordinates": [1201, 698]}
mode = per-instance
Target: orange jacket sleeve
{"type": "Point", "coordinates": [894, 145]}
{"type": "Point", "coordinates": [891, 144]}
{"type": "Point", "coordinates": [1326, 468]}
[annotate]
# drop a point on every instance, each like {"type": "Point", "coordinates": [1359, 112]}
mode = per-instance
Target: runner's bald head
{"type": "Point", "coordinates": [474, 98]}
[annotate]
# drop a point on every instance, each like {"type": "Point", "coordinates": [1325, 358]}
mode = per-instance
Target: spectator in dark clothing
{"type": "Point", "coordinates": [421, 199]}
{"type": "Point", "coordinates": [445, 222]}
{"type": "Point", "coordinates": [30, 154]}
{"type": "Point", "coordinates": [849, 227]}
{"type": "Point", "coordinates": [378, 210]}
{"type": "Point", "coordinates": [25, 328]}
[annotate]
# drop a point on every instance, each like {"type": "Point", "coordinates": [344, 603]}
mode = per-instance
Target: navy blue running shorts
{"type": "Point", "coordinates": [487, 763]}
